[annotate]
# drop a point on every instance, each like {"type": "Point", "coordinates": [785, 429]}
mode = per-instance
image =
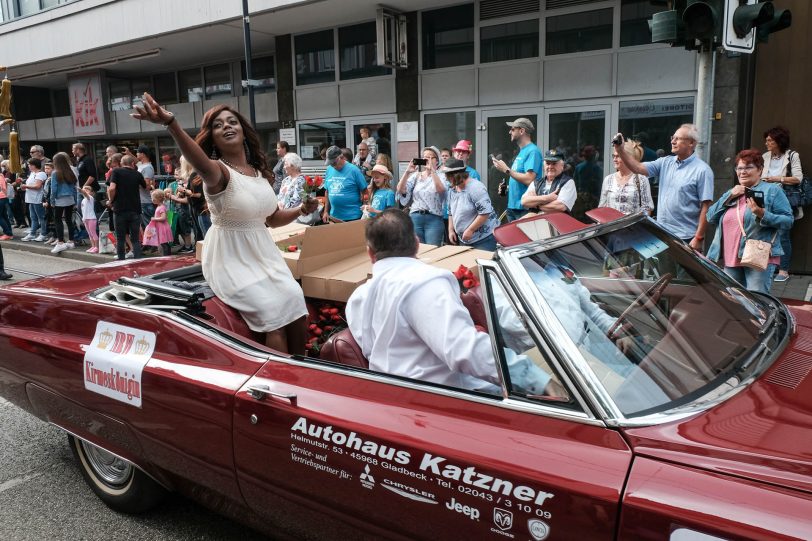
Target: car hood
{"type": "Point", "coordinates": [762, 433]}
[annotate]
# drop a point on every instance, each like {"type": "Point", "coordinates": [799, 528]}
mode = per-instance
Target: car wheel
{"type": "Point", "coordinates": [118, 483]}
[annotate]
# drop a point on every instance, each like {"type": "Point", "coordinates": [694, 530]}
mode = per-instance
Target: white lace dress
{"type": "Point", "coordinates": [241, 262]}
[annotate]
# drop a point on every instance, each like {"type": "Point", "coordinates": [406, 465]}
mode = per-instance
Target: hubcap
{"type": "Point", "coordinates": [111, 469]}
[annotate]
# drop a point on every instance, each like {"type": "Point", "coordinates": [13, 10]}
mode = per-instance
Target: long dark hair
{"type": "Point", "coordinates": [64, 173]}
{"type": "Point", "coordinates": [256, 158]}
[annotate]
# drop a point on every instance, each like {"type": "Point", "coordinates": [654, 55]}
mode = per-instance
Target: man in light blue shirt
{"type": "Point", "coordinates": [345, 184]}
{"type": "Point", "coordinates": [686, 186]}
{"type": "Point", "coordinates": [525, 168]}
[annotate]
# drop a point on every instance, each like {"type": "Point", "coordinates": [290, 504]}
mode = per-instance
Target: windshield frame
{"type": "Point", "coordinates": [551, 329]}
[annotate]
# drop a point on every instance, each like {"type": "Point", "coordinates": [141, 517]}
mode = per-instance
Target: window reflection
{"type": "Point", "coordinates": [634, 17]}
{"type": "Point", "coordinates": [448, 37]}
{"type": "Point", "coordinates": [262, 70]}
{"type": "Point", "coordinates": [576, 32]}
{"type": "Point", "coordinates": [218, 81]}
{"type": "Point", "coordinates": [191, 85]}
{"type": "Point", "coordinates": [510, 41]}
{"type": "Point", "coordinates": [315, 58]}
{"type": "Point", "coordinates": [316, 137]}
{"type": "Point", "coordinates": [358, 52]}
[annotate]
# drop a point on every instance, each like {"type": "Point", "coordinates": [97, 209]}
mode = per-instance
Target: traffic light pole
{"type": "Point", "coordinates": [704, 101]}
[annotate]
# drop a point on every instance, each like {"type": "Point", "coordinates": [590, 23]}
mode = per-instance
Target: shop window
{"type": "Point", "coordinates": [218, 81]}
{"type": "Point", "coordinates": [443, 130]}
{"type": "Point", "coordinates": [316, 137]}
{"type": "Point", "coordinates": [166, 90]}
{"type": "Point", "coordinates": [119, 95]}
{"type": "Point", "coordinates": [578, 32]}
{"type": "Point", "coordinates": [509, 41]}
{"type": "Point", "coordinates": [357, 46]}
{"type": "Point", "coordinates": [138, 87]}
{"type": "Point", "coordinates": [634, 17]}
{"type": "Point", "coordinates": [61, 102]}
{"type": "Point", "coordinates": [652, 122]}
{"type": "Point", "coordinates": [191, 85]}
{"type": "Point", "coordinates": [315, 58]}
{"type": "Point", "coordinates": [448, 37]}
{"type": "Point", "coordinates": [262, 70]}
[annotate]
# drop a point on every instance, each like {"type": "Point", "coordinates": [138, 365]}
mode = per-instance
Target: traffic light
{"type": "Point", "coordinates": [703, 21]}
{"type": "Point", "coordinates": [747, 17]}
{"type": "Point", "coordinates": [748, 20]}
{"type": "Point", "coordinates": [667, 27]}
{"type": "Point", "coordinates": [780, 20]}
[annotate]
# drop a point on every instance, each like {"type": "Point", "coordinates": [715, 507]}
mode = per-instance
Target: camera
{"type": "Point", "coordinates": [618, 140]}
{"type": "Point", "coordinates": [419, 161]}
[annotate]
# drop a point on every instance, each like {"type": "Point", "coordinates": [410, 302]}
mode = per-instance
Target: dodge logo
{"type": "Point", "coordinates": [502, 518]}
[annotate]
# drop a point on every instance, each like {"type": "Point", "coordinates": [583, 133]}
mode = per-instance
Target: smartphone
{"type": "Point", "coordinates": [757, 196]}
{"type": "Point", "coordinates": [419, 161]}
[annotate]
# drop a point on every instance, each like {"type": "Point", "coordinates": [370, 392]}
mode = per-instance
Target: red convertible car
{"type": "Point", "coordinates": [679, 404]}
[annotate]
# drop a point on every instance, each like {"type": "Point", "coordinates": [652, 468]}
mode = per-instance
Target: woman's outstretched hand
{"type": "Point", "coordinates": [151, 111]}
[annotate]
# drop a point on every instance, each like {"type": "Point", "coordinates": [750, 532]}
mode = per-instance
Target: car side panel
{"type": "Point", "coordinates": [401, 462]}
{"type": "Point", "coordinates": [187, 387]}
{"type": "Point", "coordinates": [662, 498]}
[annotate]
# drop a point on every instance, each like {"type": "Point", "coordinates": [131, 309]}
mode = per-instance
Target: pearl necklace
{"type": "Point", "coordinates": [237, 169]}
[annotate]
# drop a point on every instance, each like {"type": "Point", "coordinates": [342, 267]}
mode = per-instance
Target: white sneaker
{"type": "Point", "coordinates": [70, 245]}
{"type": "Point", "coordinates": [41, 238]}
{"type": "Point", "coordinates": [129, 255]}
{"type": "Point", "coordinates": [28, 238]}
{"type": "Point", "coordinates": [60, 247]}
{"type": "Point", "coordinates": [52, 242]}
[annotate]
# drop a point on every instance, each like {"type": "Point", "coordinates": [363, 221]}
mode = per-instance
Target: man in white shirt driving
{"type": "Point", "coordinates": [409, 319]}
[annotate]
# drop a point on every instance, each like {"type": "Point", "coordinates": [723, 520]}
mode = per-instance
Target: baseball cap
{"type": "Point", "coordinates": [452, 165]}
{"type": "Point", "coordinates": [522, 123]}
{"type": "Point", "coordinates": [143, 149]}
{"type": "Point", "coordinates": [333, 154]}
{"type": "Point", "coordinates": [463, 145]}
{"type": "Point", "coordinates": [552, 155]}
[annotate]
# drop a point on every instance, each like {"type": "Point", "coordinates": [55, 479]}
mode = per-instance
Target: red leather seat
{"type": "Point", "coordinates": [342, 348]}
{"type": "Point", "coordinates": [229, 319]}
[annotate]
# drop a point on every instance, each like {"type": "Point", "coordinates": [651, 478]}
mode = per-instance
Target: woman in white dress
{"type": "Point", "coordinates": [241, 262]}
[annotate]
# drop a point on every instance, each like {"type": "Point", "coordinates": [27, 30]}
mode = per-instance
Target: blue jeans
{"type": "Point", "coordinates": [488, 243]}
{"type": "Point", "coordinates": [784, 236]}
{"type": "Point", "coordinates": [37, 213]}
{"type": "Point", "coordinates": [428, 228]}
{"type": "Point", "coordinates": [147, 212]}
{"type": "Point", "coordinates": [204, 221]}
{"type": "Point", "coordinates": [515, 214]}
{"type": "Point", "coordinates": [5, 225]}
{"type": "Point", "coordinates": [752, 279]}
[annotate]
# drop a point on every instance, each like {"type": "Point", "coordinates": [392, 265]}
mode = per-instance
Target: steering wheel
{"type": "Point", "coordinates": [647, 299]}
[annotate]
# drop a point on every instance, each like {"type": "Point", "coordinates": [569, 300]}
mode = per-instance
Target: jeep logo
{"type": "Point", "coordinates": [470, 512]}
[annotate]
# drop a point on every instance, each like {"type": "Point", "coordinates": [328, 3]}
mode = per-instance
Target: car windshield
{"type": "Point", "coordinates": [659, 326]}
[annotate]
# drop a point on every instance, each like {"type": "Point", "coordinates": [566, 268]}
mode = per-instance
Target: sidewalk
{"type": "Point", "coordinates": [79, 253]}
{"type": "Point", "coordinates": [799, 286]}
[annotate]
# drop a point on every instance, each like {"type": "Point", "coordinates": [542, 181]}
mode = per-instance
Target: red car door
{"type": "Point", "coordinates": [327, 450]}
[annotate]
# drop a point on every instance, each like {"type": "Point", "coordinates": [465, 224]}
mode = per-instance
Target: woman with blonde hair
{"type": "Point", "coordinates": [624, 190]}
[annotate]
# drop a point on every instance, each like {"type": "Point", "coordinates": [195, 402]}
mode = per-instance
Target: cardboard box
{"type": "Point", "coordinates": [282, 236]}
{"type": "Point", "coordinates": [465, 258]}
{"type": "Point", "coordinates": [324, 245]}
{"type": "Point", "coordinates": [441, 252]}
{"type": "Point", "coordinates": [337, 281]}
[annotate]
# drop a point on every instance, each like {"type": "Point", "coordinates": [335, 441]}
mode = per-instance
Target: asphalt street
{"type": "Point", "coordinates": [42, 493]}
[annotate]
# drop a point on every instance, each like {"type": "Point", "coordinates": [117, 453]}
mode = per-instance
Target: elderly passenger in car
{"type": "Point", "coordinates": [409, 319]}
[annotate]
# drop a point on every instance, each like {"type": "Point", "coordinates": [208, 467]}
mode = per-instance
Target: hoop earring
{"type": "Point", "coordinates": [214, 155]}
{"type": "Point", "coordinates": [247, 151]}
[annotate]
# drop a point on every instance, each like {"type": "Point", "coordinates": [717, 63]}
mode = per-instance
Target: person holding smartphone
{"type": "Point", "coordinates": [753, 209]}
{"type": "Point", "coordinates": [424, 190]}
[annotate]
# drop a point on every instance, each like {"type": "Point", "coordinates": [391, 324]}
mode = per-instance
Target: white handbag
{"type": "Point", "coordinates": [756, 253]}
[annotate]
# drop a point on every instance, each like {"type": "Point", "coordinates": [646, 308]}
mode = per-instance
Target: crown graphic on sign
{"type": "Point", "coordinates": [141, 347]}
{"type": "Point", "coordinates": [104, 339]}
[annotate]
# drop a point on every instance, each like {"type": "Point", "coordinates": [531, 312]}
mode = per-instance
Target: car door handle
{"type": "Point", "coordinates": [259, 392]}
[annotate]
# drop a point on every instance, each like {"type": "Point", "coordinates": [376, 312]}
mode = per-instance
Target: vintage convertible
{"type": "Point", "coordinates": [679, 405]}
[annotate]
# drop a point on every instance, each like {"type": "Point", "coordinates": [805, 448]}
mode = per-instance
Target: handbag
{"type": "Point", "coordinates": [756, 253]}
{"type": "Point", "coordinates": [799, 195]}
